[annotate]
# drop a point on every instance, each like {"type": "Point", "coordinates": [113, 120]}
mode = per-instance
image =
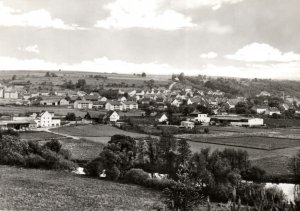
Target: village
{"type": "Point", "coordinates": [183, 107]}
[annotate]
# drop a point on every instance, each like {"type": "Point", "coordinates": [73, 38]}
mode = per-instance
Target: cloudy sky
{"type": "Point", "coordinates": [242, 38]}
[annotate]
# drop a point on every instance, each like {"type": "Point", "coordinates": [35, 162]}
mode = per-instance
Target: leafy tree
{"type": "Point", "coordinates": [81, 84]}
{"type": "Point", "coordinates": [184, 151]}
{"type": "Point", "coordinates": [143, 74]}
{"type": "Point", "coordinates": [70, 117]}
{"type": "Point", "coordinates": [184, 195]}
{"type": "Point", "coordinates": [14, 77]}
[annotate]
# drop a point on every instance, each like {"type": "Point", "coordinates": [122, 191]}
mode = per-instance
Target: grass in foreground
{"type": "Point", "coordinates": [28, 189]}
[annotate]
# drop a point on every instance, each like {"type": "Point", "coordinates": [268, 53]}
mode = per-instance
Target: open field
{"type": "Point", "coordinates": [94, 131]}
{"type": "Point", "coordinates": [27, 189]}
{"type": "Point", "coordinates": [38, 77]}
{"type": "Point", "coordinates": [274, 162]}
{"type": "Point", "coordinates": [255, 142]}
{"type": "Point", "coordinates": [38, 135]}
{"type": "Point", "coordinates": [83, 149]}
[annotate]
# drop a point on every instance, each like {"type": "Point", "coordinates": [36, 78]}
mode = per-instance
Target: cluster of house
{"type": "Point", "coordinates": [204, 119]}
{"type": "Point", "coordinates": [42, 119]}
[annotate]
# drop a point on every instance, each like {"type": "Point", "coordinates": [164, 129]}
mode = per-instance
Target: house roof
{"type": "Point", "coordinates": [130, 103]}
{"type": "Point", "coordinates": [114, 103]}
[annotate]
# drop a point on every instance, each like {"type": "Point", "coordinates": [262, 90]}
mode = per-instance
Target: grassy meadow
{"type": "Point", "coordinates": [94, 131]}
{"type": "Point", "coordinates": [30, 189]}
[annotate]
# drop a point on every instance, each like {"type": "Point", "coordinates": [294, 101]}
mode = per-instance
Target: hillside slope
{"type": "Point", "coordinates": [29, 189]}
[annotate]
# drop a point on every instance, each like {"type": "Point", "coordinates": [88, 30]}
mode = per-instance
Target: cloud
{"type": "Point", "coordinates": [210, 55]}
{"type": "Point", "coordinates": [31, 49]}
{"type": "Point", "coordinates": [261, 52]}
{"type": "Point", "coordinates": [143, 14]}
{"type": "Point", "coordinates": [37, 18]}
{"type": "Point", "coordinates": [215, 27]}
{"type": "Point", "coordinates": [213, 4]}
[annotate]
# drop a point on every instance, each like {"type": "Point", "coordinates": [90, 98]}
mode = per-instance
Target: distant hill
{"type": "Point", "coordinates": [244, 87]}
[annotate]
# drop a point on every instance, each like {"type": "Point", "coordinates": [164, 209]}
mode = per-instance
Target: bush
{"type": "Point", "coordinates": [54, 145]}
{"type": "Point", "coordinates": [12, 150]}
{"type": "Point", "coordinates": [206, 130]}
{"type": "Point", "coordinates": [254, 173]}
{"type": "Point", "coordinates": [63, 164]}
{"type": "Point", "coordinates": [94, 168]}
{"type": "Point", "coordinates": [113, 173]}
{"type": "Point", "coordinates": [35, 161]}
{"type": "Point", "coordinates": [136, 176]}
{"type": "Point", "coordinates": [159, 184]}
{"type": "Point", "coordinates": [34, 147]}
{"type": "Point", "coordinates": [66, 154]}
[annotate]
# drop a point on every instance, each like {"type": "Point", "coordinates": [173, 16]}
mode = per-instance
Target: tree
{"type": "Point", "coordinates": [143, 74]}
{"type": "Point", "coordinates": [81, 84]}
{"type": "Point", "coordinates": [150, 83]}
{"type": "Point", "coordinates": [184, 195]}
{"type": "Point", "coordinates": [14, 77]}
{"type": "Point", "coordinates": [184, 151]}
{"type": "Point", "coordinates": [47, 74]}
{"type": "Point", "coordinates": [294, 164]}
{"type": "Point", "coordinates": [70, 117]}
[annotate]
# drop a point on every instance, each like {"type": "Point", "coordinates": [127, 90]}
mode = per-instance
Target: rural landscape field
{"type": "Point", "coordinates": [161, 105]}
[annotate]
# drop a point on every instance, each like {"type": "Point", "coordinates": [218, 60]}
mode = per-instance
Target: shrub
{"type": "Point", "coordinates": [53, 145]}
{"type": "Point", "coordinates": [254, 173]}
{"type": "Point", "coordinates": [206, 130]}
{"type": "Point", "coordinates": [34, 147]}
{"type": "Point", "coordinates": [136, 176]}
{"type": "Point", "coordinates": [65, 153]}
{"type": "Point", "coordinates": [113, 173]}
{"type": "Point", "coordinates": [159, 184]}
{"type": "Point", "coordinates": [35, 161]}
{"type": "Point", "coordinates": [94, 168]}
{"type": "Point", "coordinates": [63, 164]}
{"type": "Point", "coordinates": [12, 150]}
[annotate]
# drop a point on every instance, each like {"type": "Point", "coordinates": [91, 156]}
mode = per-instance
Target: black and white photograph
{"type": "Point", "coordinates": [159, 105]}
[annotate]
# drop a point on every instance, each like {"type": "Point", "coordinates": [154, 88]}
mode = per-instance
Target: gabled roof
{"type": "Point", "coordinates": [129, 103]}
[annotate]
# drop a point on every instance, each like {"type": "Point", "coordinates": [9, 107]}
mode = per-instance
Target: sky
{"type": "Point", "coordinates": [234, 38]}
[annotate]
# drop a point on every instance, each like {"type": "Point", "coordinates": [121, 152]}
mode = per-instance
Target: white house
{"type": "Point", "coordinates": [187, 124]}
{"type": "Point", "coordinates": [103, 99]}
{"type": "Point", "coordinates": [112, 116]}
{"type": "Point", "coordinates": [273, 110]}
{"type": "Point", "coordinates": [260, 109]}
{"type": "Point", "coordinates": [162, 118]}
{"type": "Point", "coordinates": [81, 104]}
{"type": "Point", "coordinates": [10, 94]}
{"type": "Point", "coordinates": [199, 117]}
{"type": "Point", "coordinates": [176, 103]}
{"type": "Point", "coordinates": [45, 119]}
{"type": "Point", "coordinates": [129, 105]}
{"type": "Point", "coordinates": [113, 105]}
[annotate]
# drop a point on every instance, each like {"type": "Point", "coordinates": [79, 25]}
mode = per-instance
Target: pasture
{"type": "Point", "coordinates": [254, 142]}
{"type": "Point", "coordinates": [29, 189]}
{"type": "Point", "coordinates": [94, 131]}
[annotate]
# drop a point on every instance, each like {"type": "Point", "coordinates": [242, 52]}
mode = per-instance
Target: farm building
{"type": "Point", "coordinates": [54, 101]}
{"type": "Point", "coordinates": [235, 120]}
{"type": "Point", "coordinates": [199, 117]}
{"type": "Point", "coordinates": [187, 124]}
